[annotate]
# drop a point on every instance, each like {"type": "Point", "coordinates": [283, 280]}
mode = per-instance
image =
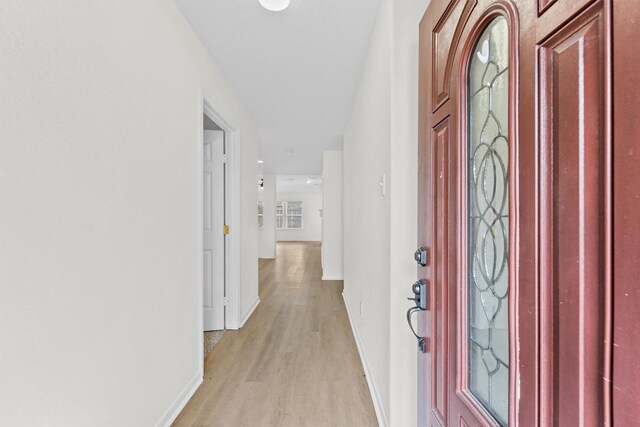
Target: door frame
{"type": "Point", "coordinates": [232, 217]}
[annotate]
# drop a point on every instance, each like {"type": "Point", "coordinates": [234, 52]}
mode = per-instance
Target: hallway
{"type": "Point", "coordinates": [294, 362]}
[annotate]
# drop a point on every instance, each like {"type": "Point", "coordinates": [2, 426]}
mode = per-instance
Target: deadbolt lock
{"type": "Point", "coordinates": [421, 256]}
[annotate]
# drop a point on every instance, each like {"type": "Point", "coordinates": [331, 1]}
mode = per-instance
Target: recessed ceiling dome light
{"type": "Point", "coordinates": [275, 5]}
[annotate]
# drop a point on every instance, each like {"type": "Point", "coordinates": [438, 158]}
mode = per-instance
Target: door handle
{"type": "Point", "coordinates": [420, 299]}
{"type": "Point", "coordinates": [420, 294]}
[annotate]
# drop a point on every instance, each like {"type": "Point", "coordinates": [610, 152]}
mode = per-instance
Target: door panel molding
{"type": "Point", "coordinates": [445, 37]}
{"type": "Point", "coordinates": [543, 5]}
{"type": "Point", "coordinates": [574, 286]}
{"type": "Point", "coordinates": [557, 14]}
{"type": "Point", "coordinates": [440, 147]}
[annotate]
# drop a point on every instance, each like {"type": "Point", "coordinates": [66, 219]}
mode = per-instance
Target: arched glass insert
{"type": "Point", "coordinates": [488, 220]}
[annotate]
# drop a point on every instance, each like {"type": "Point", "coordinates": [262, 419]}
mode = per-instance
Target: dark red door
{"type": "Point", "coordinates": [516, 209]}
{"type": "Point", "coordinates": [626, 217]}
{"type": "Point", "coordinates": [469, 201]}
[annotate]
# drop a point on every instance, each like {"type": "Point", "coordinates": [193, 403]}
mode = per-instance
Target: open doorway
{"type": "Point", "coordinates": [214, 233]}
{"type": "Point", "coordinates": [210, 119]}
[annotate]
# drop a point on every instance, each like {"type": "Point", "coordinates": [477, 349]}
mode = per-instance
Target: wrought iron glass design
{"type": "Point", "coordinates": [488, 220]}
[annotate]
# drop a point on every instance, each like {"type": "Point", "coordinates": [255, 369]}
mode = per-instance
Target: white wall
{"type": "Point", "coordinates": [332, 211]}
{"type": "Point", "coordinates": [312, 224]}
{"type": "Point", "coordinates": [403, 193]}
{"type": "Point", "coordinates": [381, 138]}
{"type": "Point", "coordinates": [99, 211]}
{"type": "Point", "coordinates": [366, 210]}
{"type": "Point", "coordinates": [267, 234]}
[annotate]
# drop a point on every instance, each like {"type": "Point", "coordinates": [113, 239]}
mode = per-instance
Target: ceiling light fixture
{"type": "Point", "coordinates": [275, 5]}
{"type": "Point", "coordinates": [261, 161]}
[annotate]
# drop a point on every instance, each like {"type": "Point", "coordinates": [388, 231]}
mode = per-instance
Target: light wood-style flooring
{"type": "Point", "coordinates": [295, 361]}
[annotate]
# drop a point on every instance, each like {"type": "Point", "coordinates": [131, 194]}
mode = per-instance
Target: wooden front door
{"type": "Point", "coordinates": [625, 386]}
{"type": "Point", "coordinates": [516, 210]}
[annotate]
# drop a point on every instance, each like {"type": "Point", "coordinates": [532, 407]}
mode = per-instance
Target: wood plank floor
{"type": "Point", "coordinates": [294, 363]}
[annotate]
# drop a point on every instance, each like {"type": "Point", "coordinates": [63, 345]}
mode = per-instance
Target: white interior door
{"type": "Point", "coordinates": [213, 256]}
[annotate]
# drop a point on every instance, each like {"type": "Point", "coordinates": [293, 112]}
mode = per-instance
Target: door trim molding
{"type": "Point", "coordinates": [232, 218]}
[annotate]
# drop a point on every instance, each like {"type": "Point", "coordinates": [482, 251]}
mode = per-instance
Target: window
{"type": "Point", "coordinates": [280, 215]}
{"type": "Point", "coordinates": [260, 215]}
{"type": "Point", "coordinates": [294, 215]}
{"type": "Point", "coordinates": [289, 215]}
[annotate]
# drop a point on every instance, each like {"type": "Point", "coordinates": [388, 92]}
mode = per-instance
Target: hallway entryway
{"type": "Point", "coordinates": [295, 361]}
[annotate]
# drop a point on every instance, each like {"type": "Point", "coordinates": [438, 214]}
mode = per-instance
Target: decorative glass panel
{"type": "Point", "coordinates": [488, 220]}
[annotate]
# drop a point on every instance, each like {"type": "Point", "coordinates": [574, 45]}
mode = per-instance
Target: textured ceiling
{"type": "Point", "coordinates": [296, 70]}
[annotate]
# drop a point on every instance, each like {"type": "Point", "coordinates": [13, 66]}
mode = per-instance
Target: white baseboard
{"type": "Point", "coordinates": [332, 278]}
{"type": "Point", "coordinates": [181, 401]}
{"type": "Point", "coordinates": [375, 397]}
{"type": "Point", "coordinates": [249, 313]}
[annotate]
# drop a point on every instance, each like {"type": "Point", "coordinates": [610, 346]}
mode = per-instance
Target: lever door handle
{"type": "Point", "coordinates": [422, 341]}
{"type": "Point", "coordinates": [420, 290]}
